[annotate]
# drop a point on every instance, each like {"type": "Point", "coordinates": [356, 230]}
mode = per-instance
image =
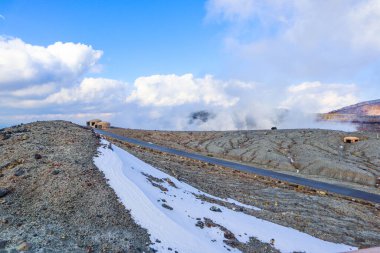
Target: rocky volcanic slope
{"type": "Point", "coordinates": [368, 108]}
{"type": "Point", "coordinates": [311, 153]}
{"type": "Point", "coordinates": [52, 197]}
{"type": "Point", "coordinates": [365, 115]}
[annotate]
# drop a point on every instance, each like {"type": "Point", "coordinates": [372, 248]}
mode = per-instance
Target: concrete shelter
{"type": "Point", "coordinates": [350, 139]}
{"type": "Point", "coordinates": [92, 123]}
{"type": "Point", "coordinates": [103, 125]}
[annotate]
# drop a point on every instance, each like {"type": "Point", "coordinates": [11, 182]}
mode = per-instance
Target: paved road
{"type": "Point", "coordinates": [263, 172]}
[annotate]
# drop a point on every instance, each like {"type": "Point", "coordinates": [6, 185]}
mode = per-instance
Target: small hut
{"type": "Point", "coordinates": [93, 122]}
{"type": "Point", "coordinates": [350, 139]}
{"type": "Point", "coordinates": [102, 125]}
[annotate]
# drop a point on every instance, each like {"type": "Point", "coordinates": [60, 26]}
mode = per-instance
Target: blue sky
{"type": "Point", "coordinates": [137, 37]}
{"type": "Point", "coordinates": [153, 64]}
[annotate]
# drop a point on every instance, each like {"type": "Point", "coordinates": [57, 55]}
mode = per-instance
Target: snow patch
{"type": "Point", "coordinates": [145, 191]}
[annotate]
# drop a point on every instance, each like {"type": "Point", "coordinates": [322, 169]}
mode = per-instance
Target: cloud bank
{"type": "Point", "coordinates": [23, 64]}
{"type": "Point", "coordinates": [174, 90]}
{"type": "Point", "coordinates": [284, 60]}
{"type": "Point", "coordinates": [284, 41]}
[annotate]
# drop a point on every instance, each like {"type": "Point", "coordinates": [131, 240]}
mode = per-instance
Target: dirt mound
{"type": "Point", "coordinates": [55, 199]}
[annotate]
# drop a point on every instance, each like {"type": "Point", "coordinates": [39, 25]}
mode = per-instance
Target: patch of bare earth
{"type": "Point", "coordinates": [55, 199]}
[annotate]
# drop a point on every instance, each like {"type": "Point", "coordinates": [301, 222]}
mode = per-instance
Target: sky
{"type": "Point", "coordinates": [187, 65]}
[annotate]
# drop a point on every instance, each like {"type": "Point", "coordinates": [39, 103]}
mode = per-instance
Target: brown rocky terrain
{"type": "Point", "coordinates": [368, 108]}
{"type": "Point", "coordinates": [54, 199]}
{"type": "Point", "coordinates": [365, 116]}
{"type": "Point", "coordinates": [312, 153]}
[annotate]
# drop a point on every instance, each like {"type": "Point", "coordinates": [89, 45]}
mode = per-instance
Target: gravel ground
{"type": "Point", "coordinates": [52, 197]}
{"type": "Point", "coordinates": [311, 153]}
{"type": "Point", "coordinates": [327, 216]}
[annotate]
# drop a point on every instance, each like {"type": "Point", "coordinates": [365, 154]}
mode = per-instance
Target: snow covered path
{"type": "Point", "coordinates": [169, 210]}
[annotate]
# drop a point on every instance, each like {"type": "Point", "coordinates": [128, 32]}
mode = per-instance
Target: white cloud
{"type": "Point", "coordinates": [91, 90]}
{"type": "Point", "coordinates": [231, 10]}
{"type": "Point", "coordinates": [273, 41]}
{"type": "Point", "coordinates": [42, 83]}
{"type": "Point", "coordinates": [49, 80]}
{"type": "Point", "coordinates": [303, 87]}
{"type": "Point", "coordinates": [37, 90]}
{"type": "Point", "coordinates": [174, 90]}
{"type": "Point", "coordinates": [78, 117]}
{"type": "Point", "coordinates": [23, 65]}
{"type": "Point", "coordinates": [364, 20]}
{"type": "Point", "coordinates": [316, 97]}
{"type": "Point", "coordinates": [100, 92]}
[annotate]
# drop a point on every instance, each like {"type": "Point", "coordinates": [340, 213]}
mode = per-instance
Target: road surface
{"type": "Point", "coordinates": [346, 191]}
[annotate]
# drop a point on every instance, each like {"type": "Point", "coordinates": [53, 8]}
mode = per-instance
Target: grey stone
{"type": "Point", "coordinates": [3, 192]}
{"type": "Point", "coordinates": [167, 206]}
{"type": "Point", "coordinates": [215, 209]}
{"type": "Point", "coordinates": [19, 172]}
{"type": "Point", "coordinates": [37, 156]}
{"type": "Point", "coordinates": [3, 243]}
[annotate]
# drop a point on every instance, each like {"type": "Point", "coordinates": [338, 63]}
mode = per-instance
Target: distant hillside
{"type": "Point", "coordinates": [364, 112]}
{"type": "Point", "coordinates": [368, 108]}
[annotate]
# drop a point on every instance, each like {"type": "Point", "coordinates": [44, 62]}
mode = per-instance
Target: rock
{"type": "Point", "coordinates": [3, 192]}
{"type": "Point", "coordinates": [6, 136]}
{"type": "Point", "coordinates": [55, 172]}
{"type": "Point", "coordinates": [200, 224]}
{"type": "Point", "coordinates": [229, 235]}
{"type": "Point", "coordinates": [3, 243]}
{"type": "Point", "coordinates": [89, 249]}
{"type": "Point", "coordinates": [19, 172]}
{"type": "Point", "coordinates": [167, 206]}
{"type": "Point", "coordinates": [24, 137]}
{"type": "Point", "coordinates": [323, 193]}
{"type": "Point", "coordinates": [170, 182]}
{"type": "Point", "coordinates": [23, 246]}
{"type": "Point", "coordinates": [37, 156]}
{"type": "Point", "coordinates": [215, 209]}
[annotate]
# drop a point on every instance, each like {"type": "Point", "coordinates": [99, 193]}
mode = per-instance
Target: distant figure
{"type": "Point", "coordinates": [341, 152]}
